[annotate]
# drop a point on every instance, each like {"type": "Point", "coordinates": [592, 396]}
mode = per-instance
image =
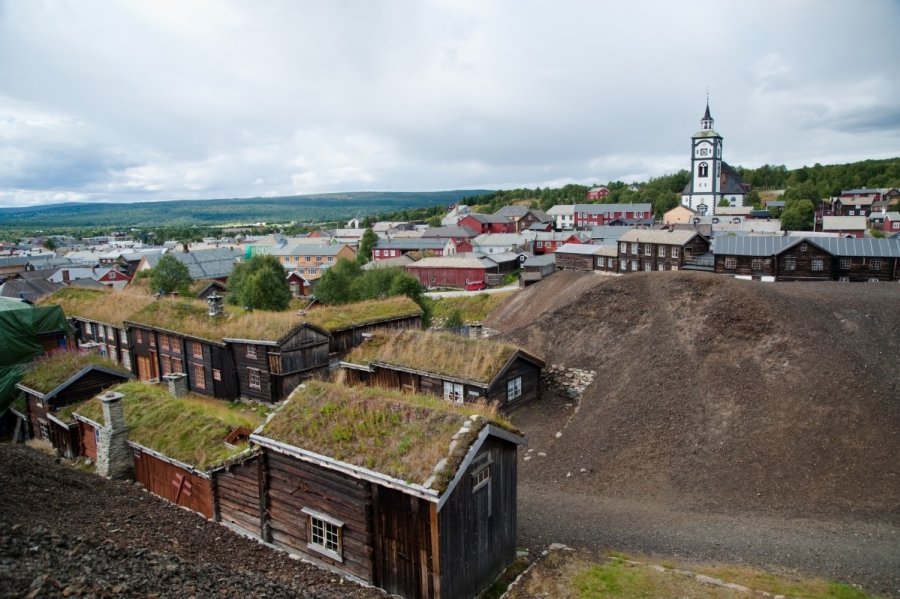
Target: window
{"type": "Point", "coordinates": [123, 337]}
{"type": "Point", "coordinates": [324, 534]}
{"type": "Point", "coordinates": [634, 248]}
{"type": "Point", "coordinates": [845, 263]}
{"type": "Point", "coordinates": [164, 342]}
{"type": "Point", "coordinates": [453, 392]}
{"type": "Point", "coordinates": [660, 266]}
{"type": "Point", "coordinates": [674, 267]}
{"type": "Point", "coordinates": [756, 264]}
{"type": "Point", "coordinates": [648, 266]}
{"type": "Point", "coordinates": [648, 249]}
{"type": "Point", "coordinates": [540, 244]}
{"type": "Point", "coordinates": [253, 378]}
{"type": "Point", "coordinates": [611, 262]}
{"type": "Point", "coordinates": [730, 262]}
{"type": "Point", "coordinates": [623, 247]}
{"type": "Point", "coordinates": [217, 374]}
{"type": "Point", "coordinates": [802, 247]}
{"type": "Point", "coordinates": [152, 340]}
{"type": "Point", "coordinates": [790, 263]}
{"type": "Point", "coordinates": [251, 351]}
{"type": "Point", "coordinates": [600, 262]}
{"type": "Point", "coordinates": [45, 429]}
{"type": "Point", "coordinates": [635, 265]}
{"type": "Point", "coordinates": [126, 359]}
{"type": "Point", "coordinates": [481, 471]}
{"type": "Point", "coordinates": [623, 264]}
{"type": "Point", "coordinates": [703, 171]}
{"type": "Point", "coordinates": [138, 338]}
{"type": "Point", "coordinates": [661, 251]}
{"type": "Point", "coordinates": [874, 263]}
{"type": "Point", "coordinates": [196, 349]}
{"type": "Point", "coordinates": [199, 376]}
{"type": "Point", "coordinates": [674, 252]}
{"type": "Point", "coordinates": [895, 225]}
{"type": "Point", "coordinates": [514, 388]}
{"type": "Point", "coordinates": [166, 367]}
{"type": "Point", "coordinates": [818, 264]}
{"type": "Point", "coordinates": [176, 365]}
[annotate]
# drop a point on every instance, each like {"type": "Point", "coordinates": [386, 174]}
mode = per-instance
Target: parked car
{"type": "Point", "coordinates": [475, 286]}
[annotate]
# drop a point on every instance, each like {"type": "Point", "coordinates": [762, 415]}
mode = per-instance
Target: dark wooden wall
{"type": "Point", "coordinates": [803, 270]}
{"type": "Point", "coordinates": [237, 495]}
{"type": "Point", "coordinates": [344, 340]}
{"type": "Point", "coordinates": [165, 480]}
{"type": "Point", "coordinates": [404, 553]}
{"type": "Point", "coordinates": [243, 364]}
{"type": "Point", "coordinates": [531, 378]}
{"type": "Point", "coordinates": [565, 261]}
{"type": "Point", "coordinates": [65, 440]}
{"type": "Point", "coordinates": [292, 484]}
{"type": "Point", "coordinates": [86, 434]}
{"type": "Point", "coordinates": [478, 528]}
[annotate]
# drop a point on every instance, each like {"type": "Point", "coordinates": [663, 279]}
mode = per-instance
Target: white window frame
{"type": "Point", "coordinates": [453, 391]}
{"type": "Point", "coordinates": [674, 252]}
{"type": "Point", "coordinates": [634, 248]}
{"type": "Point", "coordinates": [730, 262]}
{"type": "Point", "coordinates": [874, 263]}
{"type": "Point", "coordinates": [325, 534]}
{"type": "Point", "coordinates": [817, 264]}
{"type": "Point", "coordinates": [790, 263]}
{"type": "Point", "coordinates": [661, 251]}
{"type": "Point", "coordinates": [251, 351]}
{"type": "Point", "coordinates": [253, 373]}
{"type": "Point", "coordinates": [44, 428]}
{"type": "Point", "coordinates": [846, 263]}
{"type": "Point", "coordinates": [648, 249]}
{"type": "Point", "coordinates": [756, 264]}
{"type": "Point", "coordinates": [514, 388]}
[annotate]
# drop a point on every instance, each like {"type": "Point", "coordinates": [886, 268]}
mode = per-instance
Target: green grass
{"type": "Point", "coordinates": [336, 318]}
{"type": "Point", "coordinates": [190, 429]}
{"type": "Point", "coordinates": [474, 308]}
{"type": "Point", "coordinates": [398, 434]}
{"type": "Point", "coordinates": [48, 372]}
{"type": "Point", "coordinates": [103, 306]}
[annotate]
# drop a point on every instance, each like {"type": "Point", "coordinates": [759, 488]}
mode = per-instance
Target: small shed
{"type": "Point", "coordinates": [404, 492]}
{"type": "Point", "coordinates": [58, 381]}
{"type": "Point", "coordinates": [459, 369]}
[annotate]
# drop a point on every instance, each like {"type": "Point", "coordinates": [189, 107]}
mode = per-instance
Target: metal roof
{"type": "Point", "coordinates": [584, 249]}
{"type": "Point", "coordinates": [607, 208]}
{"type": "Point", "coordinates": [837, 246]}
{"type": "Point", "coordinates": [411, 243]}
{"type": "Point", "coordinates": [843, 223]}
{"type": "Point", "coordinates": [664, 236]}
{"type": "Point", "coordinates": [453, 262]}
{"type": "Point", "coordinates": [211, 263]}
{"type": "Point", "coordinates": [756, 245]}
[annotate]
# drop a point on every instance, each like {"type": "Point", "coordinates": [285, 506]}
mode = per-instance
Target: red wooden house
{"type": "Point", "coordinates": [488, 223]}
{"type": "Point", "coordinates": [546, 243]}
{"type": "Point", "coordinates": [591, 215]}
{"type": "Point", "coordinates": [455, 271]}
{"type": "Point", "coordinates": [596, 194]}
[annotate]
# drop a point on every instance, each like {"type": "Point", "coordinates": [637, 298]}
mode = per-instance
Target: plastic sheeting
{"type": "Point", "coordinates": [20, 328]}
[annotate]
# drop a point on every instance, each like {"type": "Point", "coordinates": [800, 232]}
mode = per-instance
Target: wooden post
{"type": "Point", "coordinates": [265, 532]}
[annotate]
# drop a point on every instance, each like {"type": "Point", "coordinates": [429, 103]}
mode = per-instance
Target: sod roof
{"type": "Point", "coordinates": [49, 372]}
{"type": "Point", "coordinates": [336, 318]}
{"type": "Point", "coordinates": [459, 357]}
{"type": "Point", "coordinates": [190, 429]}
{"type": "Point", "coordinates": [109, 307]}
{"type": "Point", "coordinates": [398, 434]}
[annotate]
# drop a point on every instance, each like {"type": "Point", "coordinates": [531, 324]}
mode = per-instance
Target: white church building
{"type": "Point", "coordinates": [712, 180]}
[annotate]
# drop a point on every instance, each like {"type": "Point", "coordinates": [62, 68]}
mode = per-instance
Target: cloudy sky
{"type": "Point", "coordinates": [104, 100]}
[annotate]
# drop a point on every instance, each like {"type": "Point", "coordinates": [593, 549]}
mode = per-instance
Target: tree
{"type": "Point", "coordinates": [753, 199]}
{"type": "Point", "coordinates": [169, 275]}
{"type": "Point", "coordinates": [455, 320]}
{"type": "Point", "coordinates": [798, 215]}
{"type": "Point", "coordinates": [260, 283]}
{"type": "Point", "coordinates": [366, 245]}
{"type": "Point", "coordinates": [50, 244]}
{"type": "Point", "coordinates": [723, 203]}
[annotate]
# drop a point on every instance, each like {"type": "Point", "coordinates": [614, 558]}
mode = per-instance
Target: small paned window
{"type": "Point", "coordinates": [164, 342]}
{"type": "Point", "coordinates": [874, 263]}
{"type": "Point", "coordinates": [199, 376]}
{"type": "Point", "coordinates": [661, 251]}
{"type": "Point", "coordinates": [324, 534]}
{"type": "Point", "coordinates": [481, 471]}
{"type": "Point", "coordinates": [674, 252]}
{"type": "Point", "coordinates": [623, 247]}
{"type": "Point", "coordinates": [818, 264]}
{"type": "Point", "coordinates": [790, 263]}
{"type": "Point", "coordinates": [756, 264]}
{"type": "Point", "coordinates": [634, 248]}
{"type": "Point", "coordinates": [176, 366]}
{"type": "Point", "coordinates": [648, 249]}
{"type": "Point", "coordinates": [253, 378]}
{"type": "Point", "coordinates": [514, 388]}
{"type": "Point", "coordinates": [251, 351]}
{"type": "Point", "coordinates": [623, 264]}
{"type": "Point", "coordinates": [45, 429]}
{"type": "Point", "coordinates": [635, 265]}
{"type": "Point", "coordinates": [802, 247]}
{"type": "Point", "coordinates": [845, 262]}
{"type": "Point", "coordinates": [196, 349]}
{"type": "Point", "coordinates": [730, 262]}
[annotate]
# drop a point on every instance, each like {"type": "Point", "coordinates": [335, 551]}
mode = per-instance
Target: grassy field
{"type": "Point", "coordinates": [473, 308]}
{"type": "Point", "coordinates": [576, 575]}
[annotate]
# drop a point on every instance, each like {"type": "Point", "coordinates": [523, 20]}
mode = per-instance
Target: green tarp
{"type": "Point", "coordinates": [21, 325]}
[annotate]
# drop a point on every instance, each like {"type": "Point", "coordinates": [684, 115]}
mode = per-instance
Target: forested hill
{"type": "Point", "coordinates": [806, 183]}
{"type": "Point", "coordinates": [305, 209]}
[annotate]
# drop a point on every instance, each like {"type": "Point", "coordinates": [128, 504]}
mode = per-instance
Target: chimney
{"type": "Point", "coordinates": [215, 303]}
{"type": "Point", "coordinates": [177, 382]}
{"type": "Point", "coordinates": [113, 454]}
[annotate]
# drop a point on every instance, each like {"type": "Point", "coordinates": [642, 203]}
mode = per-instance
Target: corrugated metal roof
{"type": "Point", "coordinates": [761, 245]}
{"type": "Point", "coordinates": [302, 249]}
{"type": "Point", "coordinates": [607, 208]}
{"type": "Point", "coordinates": [664, 236]}
{"type": "Point", "coordinates": [584, 249]}
{"type": "Point", "coordinates": [453, 262]}
{"type": "Point", "coordinates": [837, 246]}
{"type": "Point", "coordinates": [411, 243]}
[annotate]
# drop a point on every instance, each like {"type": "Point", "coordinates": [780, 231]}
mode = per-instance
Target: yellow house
{"type": "Point", "coordinates": [312, 260]}
{"type": "Point", "coordinates": [679, 215]}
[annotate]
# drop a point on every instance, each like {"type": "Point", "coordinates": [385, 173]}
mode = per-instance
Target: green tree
{"type": "Point", "coordinates": [366, 245]}
{"type": "Point", "coordinates": [455, 320]}
{"type": "Point", "coordinates": [798, 215]}
{"type": "Point", "coordinates": [753, 199]}
{"type": "Point", "coordinates": [260, 283]}
{"type": "Point", "coordinates": [169, 275]}
{"type": "Point", "coordinates": [334, 286]}
{"type": "Point", "coordinates": [723, 203]}
{"type": "Point", "coordinates": [50, 244]}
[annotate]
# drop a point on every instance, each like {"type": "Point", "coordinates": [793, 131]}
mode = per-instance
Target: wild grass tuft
{"type": "Point", "coordinates": [48, 372]}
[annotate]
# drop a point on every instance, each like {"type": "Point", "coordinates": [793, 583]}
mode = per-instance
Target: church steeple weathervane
{"type": "Point", "coordinates": [706, 123]}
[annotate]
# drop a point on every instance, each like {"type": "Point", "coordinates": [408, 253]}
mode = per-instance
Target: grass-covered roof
{"type": "Point", "coordinates": [478, 360]}
{"type": "Point", "coordinates": [190, 429]}
{"type": "Point", "coordinates": [398, 434]}
{"type": "Point", "coordinates": [46, 373]}
{"type": "Point", "coordinates": [109, 307]}
{"type": "Point", "coordinates": [335, 318]}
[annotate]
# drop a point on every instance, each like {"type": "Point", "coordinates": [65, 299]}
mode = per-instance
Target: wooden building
{"type": "Point", "coordinates": [57, 382]}
{"type": "Point", "coordinates": [659, 249]}
{"type": "Point", "coordinates": [575, 256]}
{"type": "Point", "coordinates": [350, 324]}
{"type": "Point", "coordinates": [454, 272]}
{"type": "Point", "coordinates": [459, 369]}
{"type": "Point", "coordinates": [175, 443]}
{"type": "Point", "coordinates": [431, 513]}
{"type": "Point", "coordinates": [606, 259]}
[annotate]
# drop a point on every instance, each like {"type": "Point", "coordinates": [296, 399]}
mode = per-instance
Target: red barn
{"type": "Point", "coordinates": [451, 271]}
{"type": "Point", "coordinates": [488, 223]}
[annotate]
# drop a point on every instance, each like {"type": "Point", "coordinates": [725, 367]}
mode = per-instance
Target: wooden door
{"type": "Point", "coordinates": [145, 372]}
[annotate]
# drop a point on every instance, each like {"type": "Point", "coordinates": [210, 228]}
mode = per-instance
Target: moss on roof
{"type": "Point", "coordinates": [335, 318]}
{"type": "Point", "coordinates": [190, 429]}
{"type": "Point", "coordinates": [398, 434]}
{"type": "Point", "coordinates": [48, 372]}
{"type": "Point", "coordinates": [190, 317]}
{"type": "Point", "coordinates": [441, 353]}
{"type": "Point", "coordinates": [109, 307]}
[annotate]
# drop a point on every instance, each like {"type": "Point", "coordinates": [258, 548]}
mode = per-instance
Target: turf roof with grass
{"type": "Point", "coordinates": [336, 318]}
{"type": "Point", "coordinates": [191, 429]}
{"type": "Point", "coordinates": [398, 434]}
{"type": "Point", "coordinates": [49, 372]}
{"type": "Point", "coordinates": [459, 357]}
{"type": "Point", "coordinates": [109, 307]}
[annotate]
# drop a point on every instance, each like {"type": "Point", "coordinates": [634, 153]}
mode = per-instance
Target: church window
{"type": "Point", "coordinates": [703, 170]}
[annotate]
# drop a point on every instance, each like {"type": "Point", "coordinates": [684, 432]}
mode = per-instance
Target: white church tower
{"type": "Point", "coordinates": [711, 179]}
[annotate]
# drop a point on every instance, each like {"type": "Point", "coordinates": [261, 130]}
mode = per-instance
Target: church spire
{"type": "Point", "coordinates": [707, 121]}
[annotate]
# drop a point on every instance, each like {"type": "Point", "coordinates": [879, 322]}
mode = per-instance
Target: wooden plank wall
{"type": "Point", "coordinates": [88, 440]}
{"type": "Point", "coordinates": [237, 495]}
{"type": "Point", "coordinates": [531, 379]}
{"type": "Point", "coordinates": [404, 563]}
{"type": "Point", "coordinates": [164, 479]}
{"type": "Point", "coordinates": [566, 261]}
{"type": "Point", "coordinates": [293, 485]}
{"type": "Point", "coordinates": [478, 529]}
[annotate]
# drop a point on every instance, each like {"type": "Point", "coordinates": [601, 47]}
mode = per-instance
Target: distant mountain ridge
{"type": "Point", "coordinates": [305, 208]}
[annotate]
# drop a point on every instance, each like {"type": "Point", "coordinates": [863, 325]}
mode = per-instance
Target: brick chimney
{"type": "Point", "coordinates": [114, 458]}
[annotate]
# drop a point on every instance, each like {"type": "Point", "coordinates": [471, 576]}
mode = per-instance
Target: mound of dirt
{"type": "Point", "coordinates": [719, 393]}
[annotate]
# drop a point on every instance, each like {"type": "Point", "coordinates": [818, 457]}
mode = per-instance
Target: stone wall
{"type": "Point", "coordinates": [570, 382]}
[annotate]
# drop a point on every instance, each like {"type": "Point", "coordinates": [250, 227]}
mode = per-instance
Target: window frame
{"type": "Point", "coordinates": [327, 524]}
{"type": "Point", "coordinates": [846, 263]}
{"type": "Point", "coordinates": [790, 263]}
{"type": "Point", "coordinates": [251, 352]}
{"type": "Point", "coordinates": [251, 374]}
{"type": "Point", "coordinates": [817, 264]}
{"type": "Point", "coordinates": [756, 264]}
{"type": "Point", "coordinates": [196, 349]}
{"type": "Point", "coordinates": [730, 263]}
{"type": "Point", "coordinates": [199, 376]}
{"type": "Point", "coordinates": [675, 251]}
{"type": "Point", "coordinates": [513, 388]}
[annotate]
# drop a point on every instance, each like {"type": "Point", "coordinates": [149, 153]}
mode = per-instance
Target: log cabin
{"type": "Point", "coordinates": [576, 256]}
{"type": "Point", "coordinates": [174, 442]}
{"type": "Point", "coordinates": [56, 382]}
{"type": "Point", "coordinates": [459, 369]}
{"type": "Point", "coordinates": [404, 492]}
{"type": "Point", "coordinates": [659, 249]}
{"type": "Point", "coordinates": [349, 324]}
